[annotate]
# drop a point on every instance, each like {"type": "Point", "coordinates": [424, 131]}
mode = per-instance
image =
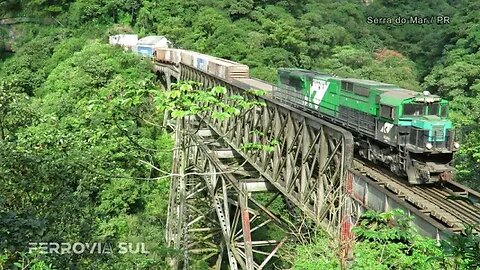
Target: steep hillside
{"type": "Point", "coordinates": [79, 125]}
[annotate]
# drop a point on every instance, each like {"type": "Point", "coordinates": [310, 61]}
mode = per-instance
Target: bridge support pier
{"type": "Point", "coordinates": [213, 212]}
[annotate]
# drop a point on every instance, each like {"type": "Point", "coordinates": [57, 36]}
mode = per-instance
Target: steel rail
{"type": "Point", "coordinates": [440, 202]}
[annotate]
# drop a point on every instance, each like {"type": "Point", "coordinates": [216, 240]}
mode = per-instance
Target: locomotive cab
{"type": "Point", "coordinates": [431, 139]}
{"type": "Point", "coordinates": [430, 130]}
{"type": "Point", "coordinates": [403, 129]}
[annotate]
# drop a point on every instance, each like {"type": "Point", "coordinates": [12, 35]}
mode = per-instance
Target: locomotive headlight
{"type": "Point", "coordinates": [429, 146]}
{"type": "Point", "coordinates": [456, 145]}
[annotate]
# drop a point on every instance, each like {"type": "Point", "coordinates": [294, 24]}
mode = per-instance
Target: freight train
{"type": "Point", "coordinates": [159, 49]}
{"type": "Point", "coordinates": [405, 130]}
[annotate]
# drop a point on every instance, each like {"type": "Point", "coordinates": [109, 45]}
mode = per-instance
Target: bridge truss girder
{"type": "Point", "coordinates": [307, 166]}
{"type": "Point", "coordinates": [212, 212]}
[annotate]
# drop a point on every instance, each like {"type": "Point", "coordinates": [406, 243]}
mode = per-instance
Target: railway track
{"type": "Point", "coordinates": [449, 203]}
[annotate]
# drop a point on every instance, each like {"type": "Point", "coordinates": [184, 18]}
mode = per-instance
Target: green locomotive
{"type": "Point", "coordinates": [406, 130]}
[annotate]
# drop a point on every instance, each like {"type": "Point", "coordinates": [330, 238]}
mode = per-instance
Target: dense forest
{"type": "Point", "coordinates": [81, 134]}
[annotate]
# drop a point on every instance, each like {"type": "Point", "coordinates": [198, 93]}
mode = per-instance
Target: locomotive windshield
{"type": "Point", "coordinates": [418, 109]}
{"type": "Point", "coordinates": [413, 109]}
{"type": "Point", "coordinates": [433, 108]}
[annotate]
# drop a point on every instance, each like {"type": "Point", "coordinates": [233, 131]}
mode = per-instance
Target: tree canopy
{"type": "Point", "coordinates": [79, 120]}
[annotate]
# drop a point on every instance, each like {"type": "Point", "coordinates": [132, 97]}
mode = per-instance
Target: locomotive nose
{"type": "Point", "coordinates": [435, 133]}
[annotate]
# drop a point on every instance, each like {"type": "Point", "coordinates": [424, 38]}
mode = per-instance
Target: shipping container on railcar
{"type": "Point", "coordinates": [147, 45]}
{"type": "Point", "coordinates": [227, 69]}
{"type": "Point", "coordinates": [125, 40]}
{"type": "Point", "coordinates": [187, 58]}
{"type": "Point", "coordinates": [200, 61]}
{"type": "Point", "coordinates": [167, 55]}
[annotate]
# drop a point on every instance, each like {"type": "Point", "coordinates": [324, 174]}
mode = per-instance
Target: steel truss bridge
{"type": "Point", "coordinates": [215, 211]}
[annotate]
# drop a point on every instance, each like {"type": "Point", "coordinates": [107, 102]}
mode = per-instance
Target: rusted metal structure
{"type": "Point", "coordinates": [213, 210]}
{"type": "Point", "coordinates": [210, 169]}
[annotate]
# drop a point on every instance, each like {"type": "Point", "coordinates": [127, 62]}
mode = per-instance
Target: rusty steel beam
{"type": "Point", "coordinates": [227, 238]}
{"type": "Point", "coordinates": [310, 167]}
{"type": "Point", "coordinates": [307, 167]}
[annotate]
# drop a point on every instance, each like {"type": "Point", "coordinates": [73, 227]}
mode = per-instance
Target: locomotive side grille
{"type": "Point", "coordinates": [437, 133]}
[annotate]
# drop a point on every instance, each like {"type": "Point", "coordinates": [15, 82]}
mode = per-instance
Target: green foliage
{"type": "Point", "coordinates": [268, 147]}
{"type": "Point", "coordinates": [385, 65]}
{"type": "Point", "coordinates": [239, 8]}
{"type": "Point", "coordinates": [70, 155]}
{"type": "Point", "coordinates": [3, 41]}
{"type": "Point", "coordinates": [319, 254]}
{"type": "Point", "coordinates": [387, 241]}
{"type": "Point", "coordinates": [21, 71]}
{"type": "Point", "coordinates": [14, 111]}
{"type": "Point", "coordinates": [79, 121]}
{"type": "Point", "coordinates": [464, 249]}
{"type": "Point", "coordinates": [102, 11]}
{"type": "Point", "coordinates": [33, 261]}
{"type": "Point", "coordinates": [120, 197]}
{"type": "Point", "coordinates": [467, 159]}
{"type": "Point", "coordinates": [189, 98]}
